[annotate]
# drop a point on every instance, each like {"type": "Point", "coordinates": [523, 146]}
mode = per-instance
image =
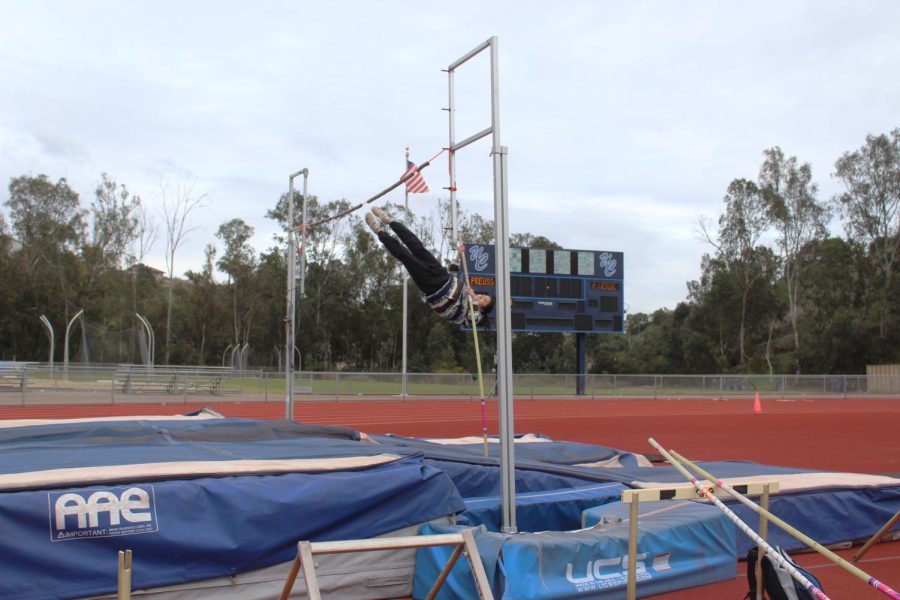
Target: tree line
{"type": "Point", "coordinates": [777, 293]}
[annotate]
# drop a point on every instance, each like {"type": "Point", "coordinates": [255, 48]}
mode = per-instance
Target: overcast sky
{"type": "Point", "coordinates": [625, 121]}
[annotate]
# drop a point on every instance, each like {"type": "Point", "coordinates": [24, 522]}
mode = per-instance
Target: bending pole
{"type": "Point", "coordinates": [471, 139]}
{"type": "Point", "coordinates": [383, 192]}
{"type": "Point", "coordinates": [773, 554]}
{"type": "Point", "coordinates": [859, 573]}
{"type": "Point", "coordinates": [462, 258]}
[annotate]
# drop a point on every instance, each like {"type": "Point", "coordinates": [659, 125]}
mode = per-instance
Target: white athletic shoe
{"type": "Point", "coordinates": [372, 222]}
{"type": "Point", "coordinates": [381, 214]}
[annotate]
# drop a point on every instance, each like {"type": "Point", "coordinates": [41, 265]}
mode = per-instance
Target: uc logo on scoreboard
{"type": "Point", "coordinates": [478, 257]}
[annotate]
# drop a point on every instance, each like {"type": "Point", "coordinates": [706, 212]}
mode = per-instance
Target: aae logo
{"type": "Point", "coordinates": [102, 513]}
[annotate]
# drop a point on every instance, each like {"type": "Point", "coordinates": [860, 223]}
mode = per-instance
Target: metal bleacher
{"type": "Point", "coordinates": [132, 379]}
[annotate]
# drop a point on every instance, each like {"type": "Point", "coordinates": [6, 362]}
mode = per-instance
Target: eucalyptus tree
{"type": "Point", "coordinates": [47, 220]}
{"type": "Point", "coordinates": [870, 203]}
{"type": "Point", "coordinates": [114, 216]}
{"type": "Point", "coordinates": [113, 223]}
{"type": "Point", "coordinates": [324, 241]}
{"type": "Point", "coordinates": [238, 262]}
{"type": "Point", "coordinates": [207, 309]}
{"type": "Point", "coordinates": [798, 218]}
{"type": "Point", "coordinates": [741, 226]}
{"type": "Point", "coordinates": [715, 299]}
{"type": "Point", "coordinates": [837, 335]}
{"type": "Point", "coordinates": [178, 199]}
{"type": "Point", "coordinates": [145, 235]}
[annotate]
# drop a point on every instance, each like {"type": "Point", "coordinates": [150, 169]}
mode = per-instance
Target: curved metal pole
{"type": "Point", "coordinates": [49, 330]}
{"type": "Point", "coordinates": [227, 348]}
{"type": "Point", "coordinates": [243, 356]}
{"type": "Point", "coordinates": [278, 354]}
{"type": "Point", "coordinates": [237, 348]}
{"type": "Point", "coordinates": [66, 348]}
{"type": "Point", "coordinates": [150, 342]}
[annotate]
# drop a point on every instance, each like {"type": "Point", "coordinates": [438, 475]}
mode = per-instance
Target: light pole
{"type": "Point", "coordinates": [49, 330]}
{"type": "Point", "coordinates": [291, 297]}
{"type": "Point", "coordinates": [66, 348]}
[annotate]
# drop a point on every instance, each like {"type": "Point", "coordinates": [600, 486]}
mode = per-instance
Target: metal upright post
{"type": "Point", "coordinates": [303, 238]}
{"type": "Point", "coordinates": [502, 299]}
{"type": "Point", "coordinates": [403, 378]}
{"type": "Point", "coordinates": [451, 157]}
{"type": "Point", "coordinates": [291, 298]}
{"type": "Point", "coordinates": [504, 317]}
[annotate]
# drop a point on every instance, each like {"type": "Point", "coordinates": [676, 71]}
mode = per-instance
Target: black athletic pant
{"type": "Point", "coordinates": [427, 273]}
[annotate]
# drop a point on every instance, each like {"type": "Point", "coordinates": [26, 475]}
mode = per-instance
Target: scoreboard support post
{"type": "Point", "coordinates": [580, 339]}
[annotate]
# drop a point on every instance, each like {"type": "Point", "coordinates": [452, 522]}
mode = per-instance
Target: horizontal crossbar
{"type": "Point", "coordinates": [394, 543]}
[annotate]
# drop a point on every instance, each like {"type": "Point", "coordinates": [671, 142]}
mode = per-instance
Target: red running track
{"type": "Point", "coordinates": [855, 435]}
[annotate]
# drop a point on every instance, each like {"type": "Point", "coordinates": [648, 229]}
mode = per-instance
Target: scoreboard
{"type": "Point", "coordinates": [555, 290]}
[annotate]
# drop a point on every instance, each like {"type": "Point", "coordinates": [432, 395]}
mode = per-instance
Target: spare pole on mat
{"type": "Point", "coordinates": [773, 554]}
{"type": "Point", "coordinates": [859, 573]}
{"type": "Point", "coordinates": [462, 259]}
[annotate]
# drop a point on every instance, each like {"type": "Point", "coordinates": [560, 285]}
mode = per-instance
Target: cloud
{"type": "Point", "coordinates": [624, 121]}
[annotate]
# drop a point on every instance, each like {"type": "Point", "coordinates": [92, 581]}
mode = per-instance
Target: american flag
{"type": "Point", "coordinates": [415, 184]}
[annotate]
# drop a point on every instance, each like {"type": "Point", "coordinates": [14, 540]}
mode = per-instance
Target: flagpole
{"type": "Point", "coordinates": [403, 387]}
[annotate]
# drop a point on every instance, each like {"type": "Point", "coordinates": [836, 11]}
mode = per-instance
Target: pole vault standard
{"type": "Point", "coordinates": [405, 278]}
{"type": "Point", "coordinates": [501, 248]}
{"type": "Point", "coordinates": [290, 309]}
{"type": "Point", "coordinates": [290, 326]}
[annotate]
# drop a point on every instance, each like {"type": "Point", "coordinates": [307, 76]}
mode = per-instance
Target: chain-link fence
{"type": "Point", "coordinates": [33, 383]}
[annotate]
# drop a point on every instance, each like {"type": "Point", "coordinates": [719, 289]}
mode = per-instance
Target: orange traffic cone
{"type": "Point", "coordinates": [757, 405]}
